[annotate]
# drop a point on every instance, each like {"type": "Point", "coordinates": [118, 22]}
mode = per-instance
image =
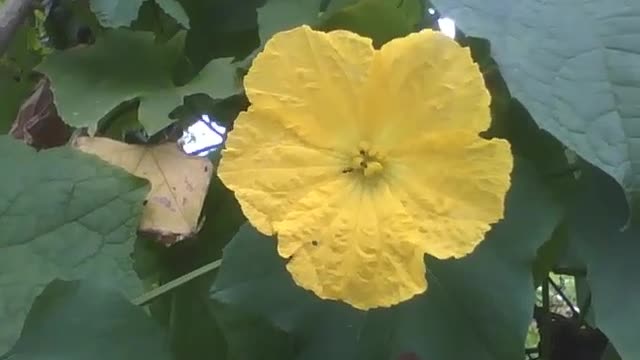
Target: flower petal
{"type": "Point", "coordinates": [454, 185]}
{"type": "Point", "coordinates": [353, 243]}
{"type": "Point", "coordinates": [424, 82]}
{"type": "Point", "coordinates": [269, 167]}
{"type": "Point", "coordinates": [313, 80]}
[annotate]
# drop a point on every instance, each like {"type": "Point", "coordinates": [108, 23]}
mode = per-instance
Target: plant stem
{"type": "Point", "coordinates": [545, 327]}
{"type": "Point", "coordinates": [584, 310]}
{"type": "Point", "coordinates": [12, 15]}
{"type": "Point", "coordinates": [150, 296]}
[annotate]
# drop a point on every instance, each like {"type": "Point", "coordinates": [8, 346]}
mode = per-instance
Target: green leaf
{"type": "Point", "coordinates": [463, 315]}
{"type": "Point", "coordinates": [539, 147]}
{"type": "Point", "coordinates": [280, 15]}
{"type": "Point", "coordinates": [14, 89]}
{"type": "Point", "coordinates": [610, 251]}
{"type": "Point", "coordinates": [144, 74]}
{"type": "Point", "coordinates": [63, 214]}
{"type": "Point", "coordinates": [549, 253]}
{"type": "Point", "coordinates": [21, 50]}
{"type": "Point", "coordinates": [175, 10]}
{"type": "Point", "coordinates": [251, 337]}
{"type": "Point", "coordinates": [610, 353]}
{"type": "Point", "coordinates": [570, 63]}
{"type": "Point", "coordinates": [337, 5]}
{"type": "Point", "coordinates": [380, 20]}
{"type": "Point", "coordinates": [194, 330]}
{"type": "Point", "coordinates": [115, 13]}
{"type": "Point", "coordinates": [81, 320]}
{"type": "Point", "coordinates": [16, 83]}
{"type": "Point", "coordinates": [221, 28]}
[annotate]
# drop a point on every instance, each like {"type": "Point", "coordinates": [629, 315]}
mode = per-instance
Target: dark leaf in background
{"type": "Point", "coordinates": [550, 253]}
{"type": "Point", "coordinates": [194, 329]}
{"type": "Point", "coordinates": [609, 247]}
{"type": "Point", "coordinates": [14, 89]}
{"type": "Point", "coordinates": [221, 28]}
{"type": "Point", "coordinates": [82, 320]}
{"type": "Point", "coordinates": [69, 23]}
{"type": "Point", "coordinates": [251, 337]}
{"type": "Point", "coordinates": [380, 20]}
{"type": "Point", "coordinates": [17, 79]}
{"type": "Point", "coordinates": [465, 303]}
{"type": "Point", "coordinates": [281, 15]}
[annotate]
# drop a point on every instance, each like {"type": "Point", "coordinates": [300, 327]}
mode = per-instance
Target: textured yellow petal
{"type": "Point", "coordinates": [179, 182]}
{"type": "Point", "coordinates": [353, 243]}
{"type": "Point", "coordinates": [454, 185]}
{"type": "Point", "coordinates": [424, 82]}
{"type": "Point", "coordinates": [269, 167]}
{"type": "Point", "coordinates": [313, 80]}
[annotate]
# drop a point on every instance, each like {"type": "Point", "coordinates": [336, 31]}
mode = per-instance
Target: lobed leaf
{"type": "Point", "coordinates": [63, 214]}
{"type": "Point", "coordinates": [100, 71]}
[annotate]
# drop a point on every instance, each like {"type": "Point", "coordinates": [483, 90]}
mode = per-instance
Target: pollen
{"type": "Point", "coordinates": [366, 162]}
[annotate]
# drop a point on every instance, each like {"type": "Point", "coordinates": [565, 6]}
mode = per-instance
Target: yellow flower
{"type": "Point", "coordinates": [361, 161]}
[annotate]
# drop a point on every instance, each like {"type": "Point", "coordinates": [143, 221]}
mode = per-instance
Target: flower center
{"type": "Point", "coordinates": [366, 162]}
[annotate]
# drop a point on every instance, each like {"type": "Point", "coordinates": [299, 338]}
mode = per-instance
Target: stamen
{"type": "Point", "coordinates": [372, 168]}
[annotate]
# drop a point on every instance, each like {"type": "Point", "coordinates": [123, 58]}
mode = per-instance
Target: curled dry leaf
{"type": "Point", "coordinates": [179, 183]}
{"type": "Point", "coordinates": [38, 123]}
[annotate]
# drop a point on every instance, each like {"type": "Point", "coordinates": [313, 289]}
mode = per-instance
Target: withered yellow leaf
{"type": "Point", "coordinates": [179, 182]}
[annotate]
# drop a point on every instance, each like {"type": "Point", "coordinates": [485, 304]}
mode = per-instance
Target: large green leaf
{"type": "Point", "coordinates": [81, 320]}
{"type": "Point", "coordinates": [573, 64]}
{"type": "Point", "coordinates": [610, 251]}
{"type": "Point", "coordinates": [63, 214]}
{"type": "Point", "coordinates": [124, 66]}
{"type": "Point", "coordinates": [463, 315]}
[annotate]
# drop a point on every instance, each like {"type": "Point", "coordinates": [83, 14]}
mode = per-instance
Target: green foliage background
{"type": "Point", "coordinates": [77, 282]}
